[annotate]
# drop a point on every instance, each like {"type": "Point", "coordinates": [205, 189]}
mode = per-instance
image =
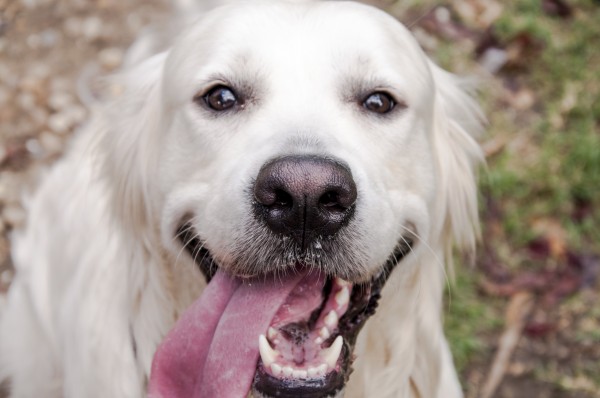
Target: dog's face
{"type": "Point", "coordinates": [296, 151]}
{"type": "Point", "coordinates": [335, 96]}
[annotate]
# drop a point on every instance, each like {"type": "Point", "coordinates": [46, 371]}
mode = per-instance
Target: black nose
{"type": "Point", "coordinates": [305, 196]}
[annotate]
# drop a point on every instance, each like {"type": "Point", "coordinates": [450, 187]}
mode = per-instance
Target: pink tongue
{"type": "Point", "coordinates": [212, 350]}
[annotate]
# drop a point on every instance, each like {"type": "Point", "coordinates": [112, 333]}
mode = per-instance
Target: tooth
{"type": "Point", "coordinates": [287, 371]}
{"type": "Point", "coordinates": [322, 369]}
{"type": "Point", "coordinates": [331, 320]}
{"type": "Point", "coordinates": [319, 340]}
{"type": "Point", "coordinates": [343, 296]}
{"type": "Point", "coordinates": [330, 355]}
{"type": "Point", "coordinates": [300, 374]}
{"type": "Point", "coordinates": [341, 282]}
{"type": "Point", "coordinates": [271, 333]}
{"type": "Point", "coordinates": [267, 354]}
{"type": "Point", "coordinates": [324, 332]}
{"type": "Point", "coordinates": [276, 369]}
{"type": "Point", "coordinates": [312, 372]}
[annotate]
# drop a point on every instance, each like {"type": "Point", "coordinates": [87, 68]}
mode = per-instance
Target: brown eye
{"type": "Point", "coordinates": [379, 102]}
{"type": "Point", "coordinates": [221, 98]}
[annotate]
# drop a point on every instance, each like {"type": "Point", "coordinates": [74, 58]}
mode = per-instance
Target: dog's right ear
{"type": "Point", "coordinates": [133, 121]}
{"type": "Point", "coordinates": [458, 120]}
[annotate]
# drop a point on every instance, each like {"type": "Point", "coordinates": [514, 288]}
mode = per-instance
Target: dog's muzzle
{"type": "Point", "coordinates": [288, 327]}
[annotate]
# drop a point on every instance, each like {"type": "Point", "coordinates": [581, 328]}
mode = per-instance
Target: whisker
{"type": "Point", "coordinates": [182, 233]}
{"type": "Point", "coordinates": [420, 18]}
{"type": "Point", "coordinates": [189, 226]}
{"type": "Point", "coordinates": [438, 261]}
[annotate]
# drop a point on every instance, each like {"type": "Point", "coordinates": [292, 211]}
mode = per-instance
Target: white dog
{"type": "Point", "coordinates": [306, 160]}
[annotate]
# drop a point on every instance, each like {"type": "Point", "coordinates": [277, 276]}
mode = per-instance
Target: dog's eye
{"type": "Point", "coordinates": [379, 102]}
{"type": "Point", "coordinates": [221, 98]}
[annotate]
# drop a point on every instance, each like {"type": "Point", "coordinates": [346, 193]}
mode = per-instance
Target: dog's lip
{"type": "Point", "coordinates": [267, 385]}
{"type": "Point", "coordinates": [364, 301]}
{"type": "Point", "coordinates": [191, 241]}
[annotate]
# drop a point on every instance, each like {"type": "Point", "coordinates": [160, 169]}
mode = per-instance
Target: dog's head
{"type": "Point", "coordinates": [299, 153]}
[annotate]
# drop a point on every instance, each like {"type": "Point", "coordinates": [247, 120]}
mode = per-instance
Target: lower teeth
{"type": "Point", "coordinates": [329, 357]}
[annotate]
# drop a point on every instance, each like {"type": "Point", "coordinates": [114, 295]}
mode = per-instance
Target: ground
{"type": "Point", "coordinates": [522, 316]}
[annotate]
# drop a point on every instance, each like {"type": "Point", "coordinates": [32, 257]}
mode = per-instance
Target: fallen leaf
{"type": "Point", "coordinates": [490, 52]}
{"type": "Point", "coordinates": [539, 329]}
{"type": "Point", "coordinates": [15, 156]}
{"type": "Point", "coordinates": [517, 53]}
{"type": "Point", "coordinates": [522, 50]}
{"type": "Point", "coordinates": [481, 13]}
{"type": "Point", "coordinates": [583, 208]}
{"type": "Point", "coordinates": [558, 8]}
{"type": "Point", "coordinates": [589, 266]}
{"type": "Point", "coordinates": [523, 99]}
{"type": "Point", "coordinates": [439, 21]}
{"type": "Point", "coordinates": [494, 146]}
{"type": "Point", "coordinates": [554, 235]}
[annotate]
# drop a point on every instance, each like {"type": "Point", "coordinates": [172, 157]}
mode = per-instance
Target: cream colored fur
{"type": "Point", "coordinates": [100, 276]}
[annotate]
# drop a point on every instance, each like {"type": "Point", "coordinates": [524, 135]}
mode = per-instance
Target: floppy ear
{"type": "Point", "coordinates": [458, 119]}
{"type": "Point", "coordinates": [132, 137]}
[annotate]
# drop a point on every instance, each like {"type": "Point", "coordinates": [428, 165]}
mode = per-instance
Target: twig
{"type": "Point", "coordinates": [518, 310]}
{"type": "Point", "coordinates": [494, 146]}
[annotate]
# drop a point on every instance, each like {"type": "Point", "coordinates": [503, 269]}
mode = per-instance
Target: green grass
{"type": "Point", "coordinates": [468, 320]}
{"type": "Point", "coordinates": [565, 136]}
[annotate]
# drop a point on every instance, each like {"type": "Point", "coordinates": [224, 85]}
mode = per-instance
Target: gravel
{"type": "Point", "coordinates": [46, 47]}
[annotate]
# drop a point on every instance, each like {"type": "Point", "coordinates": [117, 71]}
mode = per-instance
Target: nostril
{"type": "Point", "coordinates": [283, 199]}
{"type": "Point", "coordinates": [330, 200]}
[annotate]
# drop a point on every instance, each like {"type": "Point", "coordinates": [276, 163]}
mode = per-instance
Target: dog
{"type": "Point", "coordinates": [266, 209]}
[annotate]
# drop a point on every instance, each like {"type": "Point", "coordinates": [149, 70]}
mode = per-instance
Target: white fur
{"type": "Point", "coordinates": [98, 266]}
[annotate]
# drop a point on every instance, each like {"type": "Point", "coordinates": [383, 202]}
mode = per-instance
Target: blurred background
{"type": "Point", "coordinates": [523, 317]}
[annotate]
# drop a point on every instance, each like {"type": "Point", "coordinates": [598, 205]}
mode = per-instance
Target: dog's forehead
{"type": "Point", "coordinates": [310, 38]}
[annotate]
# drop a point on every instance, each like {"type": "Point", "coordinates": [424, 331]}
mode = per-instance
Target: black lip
{"type": "Point", "coordinates": [195, 247]}
{"type": "Point", "coordinates": [270, 386]}
{"type": "Point", "coordinates": [363, 304]}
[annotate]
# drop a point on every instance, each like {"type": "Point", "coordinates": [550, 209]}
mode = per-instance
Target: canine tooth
{"type": "Point", "coordinates": [312, 372]}
{"type": "Point", "coordinates": [331, 320]}
{"type": "Point", "coordinates": [342, 283]}
{"type": "Point", "coordinates": [319, 340]}
{"type": "Point", "coordinates": [276, 369]}
{"type": "Point", "coordinates": [322, 369]}
{"type": "Point", "coordinates": [267, 354]}
{"type": "Point", "coordinates": [324, 333]}
{"type": "Point", "coordinates": [330, 355]}
{"type": "Point", "coordinates": [343, 296]}
{"type": "Point", "coordinates": [271, 333]}
{"type": "Point", "coordinates": [287, 371]}
{"type": "Point", "coordinates": [299, 374]}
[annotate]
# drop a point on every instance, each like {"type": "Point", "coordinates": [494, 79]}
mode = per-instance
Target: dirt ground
{"type": "Point", "coordinates": [50, 49]}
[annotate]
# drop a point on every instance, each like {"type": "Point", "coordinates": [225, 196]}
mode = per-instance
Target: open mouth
{"type": "Point", "coordinates": [309, 353]}
{"type": "Point", "coordinates": [304, 345]}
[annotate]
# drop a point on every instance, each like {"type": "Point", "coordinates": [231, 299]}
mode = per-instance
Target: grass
{"type": "Point", "coordinates": [565, 172]}
{"type": "Point", "coordinates": [468, 320]}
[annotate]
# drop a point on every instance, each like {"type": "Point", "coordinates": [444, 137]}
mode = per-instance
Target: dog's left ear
{"type": "Point", "coordinates": [458, 119]}
{"type": "Point", "coordinates": [133, 125]}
